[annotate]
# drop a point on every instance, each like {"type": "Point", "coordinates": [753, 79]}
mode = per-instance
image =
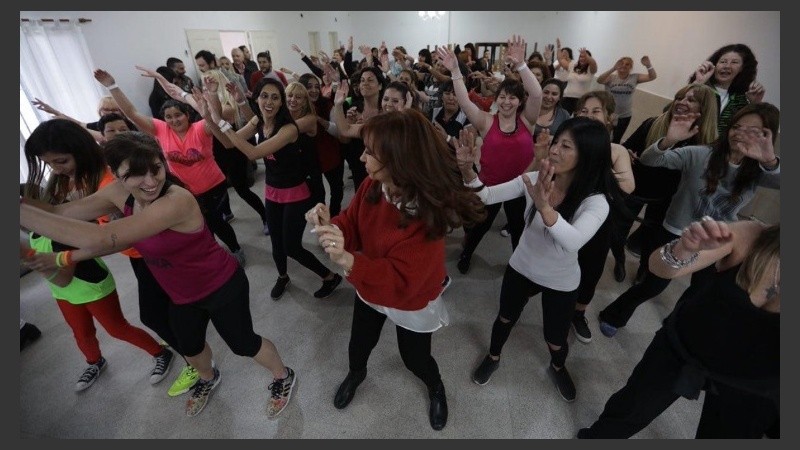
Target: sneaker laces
{"type": "Point", "coordinates": [202, 388]}
{"type": "Point", "coordinates": [161, 364]}
{"type": "Point", "coordinates": [277, 388]}
{"type": "Point", "coordinates": [89, 373]}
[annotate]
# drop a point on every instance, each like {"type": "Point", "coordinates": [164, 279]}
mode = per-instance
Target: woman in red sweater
{"type": "Point", "coordinates": [390, 244]}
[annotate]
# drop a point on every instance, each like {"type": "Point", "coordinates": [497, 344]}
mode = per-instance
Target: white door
{"type": "Point", "coordinates": [263, 41]}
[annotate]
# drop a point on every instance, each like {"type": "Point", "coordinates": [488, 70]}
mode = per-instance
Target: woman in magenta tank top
{"type": "Point", "coordinates": [507, 148]}
{"type": "Point", "coordinates": [164, 223]}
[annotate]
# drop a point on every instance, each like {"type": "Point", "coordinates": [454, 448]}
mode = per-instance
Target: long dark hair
{"type": "Point", "coordinates": [358, 102]}
{"type": "Point", "coordinates": [593, 173]}
{"type": "Point", "coordinates": [65, 137]}
{"type": "Point", "coordinates": [742, 81]}
{"type": "Point", "coordinates": [424, 170]}
{"type": "Point", "coordinates": [749, 171]}
{"type": "Point", "coordinates": [283, 116]}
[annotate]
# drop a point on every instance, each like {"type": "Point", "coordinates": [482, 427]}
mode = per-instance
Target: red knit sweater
{"type": "Point", "coordinates": [394, 267]}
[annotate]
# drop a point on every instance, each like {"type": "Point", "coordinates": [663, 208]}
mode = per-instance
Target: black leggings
{"type": "Point", "coordinates": [648, 229]}
{"type": "Point", "coordinates": [336, 183]}
{"type": "Point", "coordinates": [415, 348]}
{"type": "Point", "coordinates": [287, 223]}
{"type": "Point", "coordinates": [558, 308]}
{"type": "Point", "coordinates": [351, 152]}
{"type": "Point", "coordinates": [515, 212]}
{"type": "Point", "coordinates": [731, 413]}
{"type": "Point", "coordinates": [234, 165]}
{"type": "Point", "coordinates": [592, 260]}
{"type": "Point", "coordinates": [620, 128]}
{"type": "Point", "coordinates": [228, 308]}
{"type": "Point", "coordinates": [211, 202]}
{"type": "Point", "coordinates": [153, 303]}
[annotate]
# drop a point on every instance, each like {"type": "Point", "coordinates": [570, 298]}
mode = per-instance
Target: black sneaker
{"type": "Point", "coordinates": [619, 270]}
{"type": "Point", "coordinates": [328, 286]}
{"type": "Point", "coordinates": [27, 334]}
{"type": "Point", "coordinates": [280, 287]}
{"type": "Point", "coordinates": [485, 370]}
{"type": "Point", "coordinates": [563, 382]}
{"type": "Point", "coordinates": [90, 375]}
{"type": "Point", "coordinates": [464, 262]}
{"type": "Point", "coordinates": [163, 363]}
{"type": "Point", "coordinates": [581, 327]}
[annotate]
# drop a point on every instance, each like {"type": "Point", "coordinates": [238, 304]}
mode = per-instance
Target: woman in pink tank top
{"type": "Point", "coordinates": [164, 223]}
{"type": "Point", "coordinates": [507, 148]}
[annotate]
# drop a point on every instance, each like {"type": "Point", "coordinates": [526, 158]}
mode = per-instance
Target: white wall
{"type": "Point", "coordinates": [675, 41]}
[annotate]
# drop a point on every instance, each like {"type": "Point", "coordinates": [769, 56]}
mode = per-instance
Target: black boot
{"type": "Point", "coordinates": [347, 390]}
{"type": "Point", "coordinates": [438, 409]}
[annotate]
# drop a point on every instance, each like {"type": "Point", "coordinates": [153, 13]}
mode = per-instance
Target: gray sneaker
{"type": "Point", "coordinates": [90, 375]}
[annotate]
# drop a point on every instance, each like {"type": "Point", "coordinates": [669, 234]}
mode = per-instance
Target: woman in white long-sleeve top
{"type": "Point", "coordinates": [567, 201]}
{"type": "Point", "coordinates": [716, 181]}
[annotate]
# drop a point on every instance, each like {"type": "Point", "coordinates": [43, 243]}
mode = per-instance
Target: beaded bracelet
{"type": "Point", "coordinates": [669, 257]}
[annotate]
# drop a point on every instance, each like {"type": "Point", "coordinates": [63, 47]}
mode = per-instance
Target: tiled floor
{"type": "Point", "coordinates": [519, 402]}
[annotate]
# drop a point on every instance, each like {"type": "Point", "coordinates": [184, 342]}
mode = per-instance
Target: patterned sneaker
{"type": "Point", "coordinates": [280, 393]}
{"type": "Point", "coordinates": [90, 375]}
{"type": "Point", "coordinates": [202, 391]}
{"type": "Point", "coordinates": [186, 379]}
{"type": "Point", "coordinates": [328, 286]}
{"type": "Point", "coordinates": [163, 364]}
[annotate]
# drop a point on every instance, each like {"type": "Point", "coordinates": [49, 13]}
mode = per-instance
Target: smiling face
{"type": "Point", "coordinates": [264, 64]}
{"type": "Point", "coordinates": [313, 88]}
{"type": "Point", "coordinates": [176, 119]}
{"type": "Point", "coordinates": [593, 109]}
{"type": "Point", "coordinates": [225, 63]}
{"type": "Point", "coordinates": [507, 104]}
{"type": "Point", "coordinates": [392, 100]}
{"type": "Point", "coordinates": [728, 66]}
{"type": "Point", "coordinates": [551, 95]}
{"type": "Point", "coordinates": [563, 154]}
{"type": "Point", "coordinates": [625, 68]}
{"type": "Point", "coordinates": [269, 101]}
{"type": "Point", "coordinates": [238, 56]}
{"type": "Point", "coordinates": [144, 188]}
{"type": "Point", "coordinates": [296, 101]}
{"type": "Point", "coordinates": [369, 86]}
{"type": "Point", "coordinates": [405, 77]}
{"type": "Point", "coordinates": [202, 65]}
{"type": "Point", "coordinates": [686, 104]}
{"type": "Point", "coordinates": [60, 163]}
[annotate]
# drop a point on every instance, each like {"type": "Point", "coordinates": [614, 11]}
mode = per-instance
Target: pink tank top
{"type": "Point", "coordinates": [188, 266]}
{"type": "Point", "coordinates": [505, 156]}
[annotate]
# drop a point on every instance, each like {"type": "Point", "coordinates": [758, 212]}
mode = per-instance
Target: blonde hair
{"type": "Point", "coordinates": [708, 116]}
{"type": "Point", "coordinates": [225, 98]}
{"type": "Point", "coordinates": [762, 260]}
{"type": "Point", "coordinates": [308, 107]}
{"type": "Point", "coordinates": [107, 102]}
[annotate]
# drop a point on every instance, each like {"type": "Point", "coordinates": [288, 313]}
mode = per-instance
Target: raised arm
{"type": "Point", "coordinates": [141, 121]}
{"type": "Point", "coordinates": [515, 55]}
{"type": "Point", "coordinates": [563, 61]}
{"type": "Point", "coordinates": [482, 120]}
{"type": "Point", "coordinates": [42, 106]}
{"type": "Point", "coordinates": [603, 78]}
{"type": "Point", "coordinates": [346, 129]}
{"type": "Point", "coordinates": [651, 71]}
{"type": "Point", "coordinates": [590, 60]}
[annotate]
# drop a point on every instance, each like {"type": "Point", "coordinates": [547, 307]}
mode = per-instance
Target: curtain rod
{"type": "Point", "coordinates": [80, 20]}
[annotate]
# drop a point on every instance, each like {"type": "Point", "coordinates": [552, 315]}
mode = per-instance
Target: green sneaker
{"type": "Point", "coordinates": [186, 379]}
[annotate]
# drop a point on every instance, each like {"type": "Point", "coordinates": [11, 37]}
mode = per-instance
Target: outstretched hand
{"type": "Point", "coordinates": [755, 92]}
{"type": "Point", "coordinates": [706, 234]}
{"type": "Point", "coordinates": [540, 191]}
{"type": "Point", "coordinates": [466, 152]}
{"type": "Point", "coordinates": [103, 77]}
{"type": "Point", "coordinates": [341, 93]}
{"type": "Point", "coordinates": [755, 143]}
{"type": "Point", "coordinates": [515, 53]}
{"type": "Point", "coordinates": [42, 106]}
{"type": "Point", "coordinates": [682, 127]}
{"type": "Point", "coordinates": [448, 59]}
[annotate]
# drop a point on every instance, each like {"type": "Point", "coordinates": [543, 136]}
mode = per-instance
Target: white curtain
{"type": "Point", "coordinates": [54, 66]}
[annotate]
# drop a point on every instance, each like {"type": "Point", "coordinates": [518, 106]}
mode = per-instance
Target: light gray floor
{"type": "Point", "coordinates": [519, 402]}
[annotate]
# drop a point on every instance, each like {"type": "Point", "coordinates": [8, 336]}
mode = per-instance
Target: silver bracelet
{"type": "Point", "coordinates": [669, 257]}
